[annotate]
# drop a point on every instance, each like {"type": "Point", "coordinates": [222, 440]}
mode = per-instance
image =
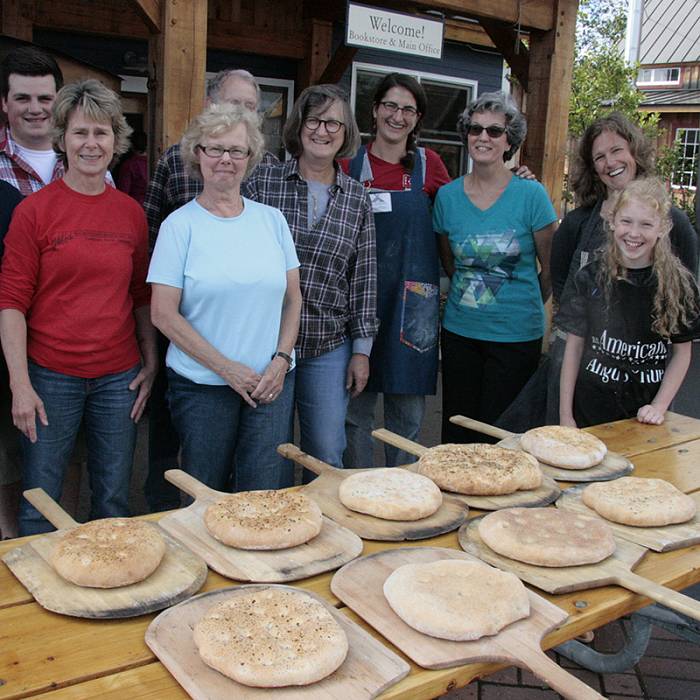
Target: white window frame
{"type": "Point", "coordinates": [696, 160]}
{"type": "Point", "coordinates": [659, 83]}
{"type": "Point", "coordinates": [420, 76]}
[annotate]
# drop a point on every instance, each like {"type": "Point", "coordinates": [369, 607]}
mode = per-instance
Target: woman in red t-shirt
{"type": "Point", "coordinates": [74, 311]}
{"type": "Point", "coordinates": [402, 180]}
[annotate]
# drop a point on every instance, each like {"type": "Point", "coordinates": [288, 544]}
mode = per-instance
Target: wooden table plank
{"type": "Point", "coordinates": [630, 437]}
{"type": "Point", "coordinates": [678, 464]}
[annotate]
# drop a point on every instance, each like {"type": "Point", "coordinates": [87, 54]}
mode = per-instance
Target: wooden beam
{"type": "Point", "coordinates": [248, 39]}
{"type": "Point", "coordinates": [340, 61]}
{"type": "Point", "coordinates": [150, 12]}
{"type": "Point", "coordinates": [549, 80]}
{"type": "Point", "coordinates": [467, 33]}
{"type": "Point", "coordinates": [17, 19]}
{"type": "Point", "coordinates": [177, 62]}
{"type": "Point", "coordinates": [532, 14]}
{"type": "Point", "coordinates": [318, 54]}
{"type": "Point", "coordinates": [508, 42]}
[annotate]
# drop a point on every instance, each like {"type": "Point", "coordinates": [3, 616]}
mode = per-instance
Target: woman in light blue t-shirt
{"type": "Point", "coordinates": [225, 278]}
{"type": "Point", "coordinates": [493, 230]}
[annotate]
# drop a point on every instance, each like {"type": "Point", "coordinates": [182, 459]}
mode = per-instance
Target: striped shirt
{"type": "Point", "coordinates": [16, 171]}
{"type": "Point", "coordinates": [337, 255]}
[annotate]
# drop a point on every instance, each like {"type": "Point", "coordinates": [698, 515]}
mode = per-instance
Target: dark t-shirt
{"type": "Point", "coordinates": [10, 197]}
{"type": "Point", "coordinates": [582, 230]}
{"type": "Point", "coordinates": [623, 360]}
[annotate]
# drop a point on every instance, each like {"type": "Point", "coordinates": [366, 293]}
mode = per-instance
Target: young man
{"type": "Point", "coordinates": [170, 188]}
{"type": "Point", "coordinates": [29, 81]}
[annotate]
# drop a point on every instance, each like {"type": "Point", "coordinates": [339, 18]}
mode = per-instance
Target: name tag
{"type": "Point", "coordinates": [381, 202]}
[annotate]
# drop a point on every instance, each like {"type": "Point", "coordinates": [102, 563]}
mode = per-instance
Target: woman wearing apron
{"type": "Point", "coordinates": [402, 180]}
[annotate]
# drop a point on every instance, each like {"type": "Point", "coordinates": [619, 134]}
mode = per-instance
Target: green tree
{"type": "Point", "coordinates": [601, 79]}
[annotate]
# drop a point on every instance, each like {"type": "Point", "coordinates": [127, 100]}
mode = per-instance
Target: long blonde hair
{"type": "Point", "coordinates": [676, 297]}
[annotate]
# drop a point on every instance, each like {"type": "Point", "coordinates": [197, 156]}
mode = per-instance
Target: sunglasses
{"type": "Point", "coordinates": [493, 131]}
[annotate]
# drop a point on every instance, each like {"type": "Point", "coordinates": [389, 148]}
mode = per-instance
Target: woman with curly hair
{"type": "Point", "coordinates": [493, 230]}
{"type": "Point", "coordinates": [626, 308]}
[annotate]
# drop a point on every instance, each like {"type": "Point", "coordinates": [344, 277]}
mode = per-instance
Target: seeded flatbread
{"type": "Point", "coordinates": [564, 447]}
{"type": "Point", "coordinates": [264, 519]}
{"type": "Point", "coordinates": [392, 494]}
{"type": "Point", "coordinates": [108, 553]}
{"type": "Point", "coordinates": [271, 638]}
{"type": "Point", "coordinates": [456, 600]}
{"type": "Point", "coordinates": [632, 500]}
{"type": "Point", "coordinates": [479, 469]}
{"type": "Point", "coordinates": [547, 536]}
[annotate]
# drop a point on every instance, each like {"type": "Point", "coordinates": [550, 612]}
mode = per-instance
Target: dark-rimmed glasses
{"type": "Point", "coordinates": [333, 126]}
{"type": "Point", "coordinates": [235, 153]}
{"type": "Point", "coordinates": [494, 131]}
{"type": "Point", "coordinates": [392, 107]}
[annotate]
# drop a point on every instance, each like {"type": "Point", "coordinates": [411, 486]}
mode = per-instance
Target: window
{"type": "Point", "coordinates": [659, 76]}
{"type": "Point", "coordinates": [686, 174]}
{"type": "Point", "coordinates": [447, 98]}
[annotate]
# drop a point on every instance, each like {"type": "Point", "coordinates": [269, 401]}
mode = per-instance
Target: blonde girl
{"type": "Point", "coordinates": [626, 308]}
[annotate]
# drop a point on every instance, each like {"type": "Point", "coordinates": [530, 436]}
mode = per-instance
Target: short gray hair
{"type": "Point", "coordinates": [315, 97]}
{"type": "Point", "coordinates": [215, 82]}
{"type": "Point", "coordinates": [217, 119]}
{"type": "Point", "coordinates": [99, 103]}
{"type": "Point", "coordinates": [499, 102]}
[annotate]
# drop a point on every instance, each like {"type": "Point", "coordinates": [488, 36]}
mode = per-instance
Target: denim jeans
{"type": "Point", "coordinates": [403, 414]}
{"type": "Point", "coordinates": [104, 405]}
{"type": "Point", "coordinates": [225, 442]}
{"type": "Point", "coordinates": [321, 402]}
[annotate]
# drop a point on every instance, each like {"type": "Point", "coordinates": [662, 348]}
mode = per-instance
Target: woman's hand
{"type": "Point", "coordinates": [270, 385]}
{"type": "Point", "coordinates": [567, 421]}
{"type": "Point", "coordinates": [242, 379]}
{"type": "Point", "coordinates": [143, 381]}
{"type": "Point", "coordinates": [650, 414]}
{"type": "Point", "coordinates": [26, 406]}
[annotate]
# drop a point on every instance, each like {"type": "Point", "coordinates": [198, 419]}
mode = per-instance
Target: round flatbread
{"type": "Point", "coordinates": [456, 599]}
{"type": "Point", "coordinates": [564, 447]}
{"type": "Point", "coordinates": [632, 500]}
{"type": "Point", "coordinates": [271, 638]}
{"type": "Point", "coordinates": [108, 553]}
{"type": "Point", "coordinates": [264, 519]}
{"type": "Point", "coordinates": [392, 494]}
{"type": "Point", "coordinates": [480, 469]}
{"type": "Point", "coordinates": [547, 536]}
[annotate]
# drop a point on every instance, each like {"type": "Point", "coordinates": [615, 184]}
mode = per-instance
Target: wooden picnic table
{"type": "Point", "coordinates": [54, 657]}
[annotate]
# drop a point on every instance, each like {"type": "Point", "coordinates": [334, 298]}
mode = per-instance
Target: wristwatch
{"type": "Point", "coordinates": [284, 356]}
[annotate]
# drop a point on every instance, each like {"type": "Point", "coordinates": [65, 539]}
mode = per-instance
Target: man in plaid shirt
{"type": "Point", "coordinates": [29, 80]}
{"type": "Point", "coordinates": [170, 188]}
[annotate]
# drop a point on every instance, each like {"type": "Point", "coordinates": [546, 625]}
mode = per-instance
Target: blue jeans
{"type": "Point", "coordinates": [403, 414]}
{"type": "Point", "coordinates": [225, 442]}
{"type": "Point", "coordinates": [321, 402]}
{"type": "Point", "coordinates": [104, 405]}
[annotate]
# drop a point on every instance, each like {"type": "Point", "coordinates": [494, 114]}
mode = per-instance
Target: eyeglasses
{"type": "Point", "coordinates": [392, 107]}
{"type": "Point", "coordinates": [332, 125]}
{"type": "Point", "coordinates": [493, 131]}
{"type": "Point", "coordinates": [235, 153]}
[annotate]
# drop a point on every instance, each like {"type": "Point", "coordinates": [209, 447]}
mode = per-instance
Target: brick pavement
{"type": "Point", "coordinates": [669, 670]}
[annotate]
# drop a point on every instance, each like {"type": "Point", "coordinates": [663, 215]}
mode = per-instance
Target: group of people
{"type": "Point", "coordinates": [253, 290]}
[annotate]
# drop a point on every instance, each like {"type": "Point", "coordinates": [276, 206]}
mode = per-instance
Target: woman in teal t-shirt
{"type": "Point", "coordinates": [493, 229]}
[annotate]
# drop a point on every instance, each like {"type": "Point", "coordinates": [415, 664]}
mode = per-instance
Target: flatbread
{"type": "Point", "coordinates": [271, 638]}
{"type": "Point", "coordinates": [632, 500]}
{"type": "Point", "coordinates": [392, 494]}
{"type": "Point", "coordinates": [479, 469]}
{"type": "Point", "coordinates": [455, 599]}
{"type": "Point", "coordinates": [564, 447]}
{"type": "Point", "coordinates": [108, 553]}
{"type": "Point", "coordinates": [264, 519]}
{"type": "Point", "coordinates": [547, 536]}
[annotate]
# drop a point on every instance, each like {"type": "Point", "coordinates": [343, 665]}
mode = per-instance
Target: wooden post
{"type": "Point", "coordinates": [549, 90]}
{"type": "Point", "coordinates": [17, 19]}
{"type": "Point", "coordinates": [177, 63]}
{"type": "Point", "coordinates": [318, 53]}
